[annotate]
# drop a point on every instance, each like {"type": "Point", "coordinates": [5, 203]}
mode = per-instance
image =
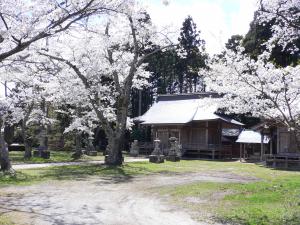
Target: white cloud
{"type": "Point", "coordinates": [216, 19]}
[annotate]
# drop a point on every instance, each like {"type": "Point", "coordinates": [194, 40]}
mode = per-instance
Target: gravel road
{"type": "Point", "coordinates": [108, 201]}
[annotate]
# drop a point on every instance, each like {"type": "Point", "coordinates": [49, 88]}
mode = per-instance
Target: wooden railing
{"type": "Point", "coordinates": [192, 149]}
{"type": "Point", "coordinates": [207, 150]}
{"type": "Point", "coordinates": [285, 160]}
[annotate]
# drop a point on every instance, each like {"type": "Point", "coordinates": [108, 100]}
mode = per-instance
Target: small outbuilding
{"type": "Point", "coordinates": [252, 144]}
{"type": "Point", "coordinates": [283, 148]}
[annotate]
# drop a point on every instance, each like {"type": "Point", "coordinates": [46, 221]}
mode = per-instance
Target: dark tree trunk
{"type": "Point", "coordinates": [78, 148]}
{"type": "Point", "coordinates": [114, 151]}
{"type": "Point", "coordinates": [4, 155]}
{"type": "Point", "coordinates": [9, 133]}
{"type": "Point", "coordinates": [27, 153]}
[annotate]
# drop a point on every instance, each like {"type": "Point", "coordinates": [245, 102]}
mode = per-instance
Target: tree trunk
{"type": "Point", "coordinates": [78, 148]}
{"type": "Point", "coordinates": [9, 133]}
{"type": "Point", "coordinates": [4, 155]}
{"type": "Point", "coordinates": [114, 151]}
{"type": "Point", "coordinates": [27, 153]}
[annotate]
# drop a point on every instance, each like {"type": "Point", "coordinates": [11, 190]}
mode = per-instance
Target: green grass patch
{"type": "Point", "coordinates": [17, 157]}
{"type": "Point", "coordinates": [268, 202]}
{"type": "Point", "coordinates": [274, 201]}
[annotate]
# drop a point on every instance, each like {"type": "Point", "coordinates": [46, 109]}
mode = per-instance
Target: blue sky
{"type": "Point", "coordinates": [216, 19]}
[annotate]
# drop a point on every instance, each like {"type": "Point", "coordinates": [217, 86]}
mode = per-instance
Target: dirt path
{"type": "Point", "coordinates": [108, 201]}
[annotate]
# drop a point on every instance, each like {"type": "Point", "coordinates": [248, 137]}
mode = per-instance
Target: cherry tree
{"type": "Point", "coordinates": [69, 97]}
{"type": "Point", "coordinates": [286, 26]}
{"type": "Point", "coordinates": [106, 58]}
{"type": "Point", "coordinates": [24, 23]}
{"type": "Point", "coordinates": [25, 97]}
{"type": "Point", "coordinates": [259, 86]}
{"type": "Point", "coordinates": [4, 159]}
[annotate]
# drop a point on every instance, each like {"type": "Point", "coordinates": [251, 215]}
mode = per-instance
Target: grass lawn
{"type": "Point", "coordinates": [265, 202]}
{"type": "Point", "coordinates": [274, 199]}
{"type": "Point", "coordinates": [17, 157]}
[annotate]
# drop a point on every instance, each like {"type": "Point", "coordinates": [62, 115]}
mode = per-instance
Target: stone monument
{"type": "Point", "coordinates": [157, 156]}
{"type": "Point", "coordinates": [90, 150]}
{"type": "Point", "coordinates": [174, 151]}
{"type": "Point", "coordinates": [134, 149]}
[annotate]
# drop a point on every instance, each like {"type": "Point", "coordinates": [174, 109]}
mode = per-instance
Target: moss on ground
{"type": "Point", "coordinates": [17, 157]}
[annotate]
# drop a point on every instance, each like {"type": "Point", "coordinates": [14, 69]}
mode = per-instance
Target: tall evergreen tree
{"type": "Point", "coordinates": [192, 57]}
{"type": "Point", "coordinates": [233, 42]}
{"type": "Point", "coordinates": [258, 34]}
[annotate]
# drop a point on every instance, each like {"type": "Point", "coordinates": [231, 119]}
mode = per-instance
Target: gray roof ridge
{"type": "Point", "coordinates": [198, 106]}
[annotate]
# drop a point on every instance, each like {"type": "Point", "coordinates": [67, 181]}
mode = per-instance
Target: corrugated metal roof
{"type": "Point", "coordinates": [250, 136]}
{"type": "Point", "coordinates": [171, 112]}
{"type": "Point", "coordinates": [182, 112]}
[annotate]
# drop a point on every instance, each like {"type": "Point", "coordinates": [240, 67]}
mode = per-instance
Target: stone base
{"type": "Point", "coordinates": [173, 158]}
{"type": "Point", "coordinates": [16, 147]}
{"type": "Point", "coordinates": [91, 153]}
{"type": "Point", "coordinates": [106, 156]}
{"type": "Point", "coordinates": [134, 154]}
{"type": "Point", "coordinates": [157, 158]}
{"type": "Point", "coordinates": [45, 154]}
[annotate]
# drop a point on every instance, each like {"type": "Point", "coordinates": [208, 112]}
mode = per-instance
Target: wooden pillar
{"type": "Point", "coordinates": [140, 103]}
{"type": "Point", "coordinates": [278, 143]}
{"type": "Point", "coordinates": [271, 145]}
{"type": "Point", "coordinates": [154, 133]}
{"type": "Point", "coordinates": [241, 151]}
{"type": "Point", "coordinates": [220, 139]}
{"type": "Point", "coordinates": [190, 135]}
{"type": "Point", "coordinates": [261, 147]}
{"type": "Point", "coordinates": [206, 133]}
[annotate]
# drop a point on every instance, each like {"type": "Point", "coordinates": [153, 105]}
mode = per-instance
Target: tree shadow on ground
{"type": "Point", "coordinates": [46, 211]}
